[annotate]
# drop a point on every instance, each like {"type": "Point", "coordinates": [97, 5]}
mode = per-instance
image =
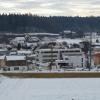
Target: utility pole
{"type": "Point", "coordinates": [51, 60]}
{"type": "Point", "coordinates": [90, 51]}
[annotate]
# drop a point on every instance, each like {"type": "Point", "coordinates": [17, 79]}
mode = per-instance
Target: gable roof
{"type": "Point", "coordinates": [15, 58]}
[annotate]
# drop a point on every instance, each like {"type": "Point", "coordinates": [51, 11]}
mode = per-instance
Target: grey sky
{"type": "Point", "coordinates": [52, 7]}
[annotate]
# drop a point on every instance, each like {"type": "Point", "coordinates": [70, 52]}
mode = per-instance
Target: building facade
{"type": "Point", "coordinates": [75, 55]}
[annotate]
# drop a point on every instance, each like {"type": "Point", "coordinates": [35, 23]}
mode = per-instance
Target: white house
{"type": "Point", "coordinates": [17, 40]}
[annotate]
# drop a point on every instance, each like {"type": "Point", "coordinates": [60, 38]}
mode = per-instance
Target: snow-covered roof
{"type": "Point", "coordinates": [29, 44]}
{"type": "Point", "coordinates": [32, 55]}
{"type": "Point", "coordinates": [13, 53]}
{"type": "Point", "coordinates": [50, 34]}
{"type": "Point", "coordinates": [48, 49]}
{"type": "Point", "coordinates": [24, 52]}
{"type": "Point", "coordinates": [70, 41]}
{"type": "Point", "coordinates": [2, 57]}
{"type": "Point", "coordinates": [20, 38]}
{"type": "Point", "coordinates": [35, 38]}
{"type": "Point", "coordinates": [65, 49]}
{"type": "Point", "coordinates": [97, 47]}
{"type": "Point", "coordinates": [14, 58]}
{"type": "Point", "coordinates": [1, 50]}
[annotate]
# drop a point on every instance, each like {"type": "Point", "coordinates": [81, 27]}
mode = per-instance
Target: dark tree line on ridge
{"type": "Point", "coordinates": [22, 23]}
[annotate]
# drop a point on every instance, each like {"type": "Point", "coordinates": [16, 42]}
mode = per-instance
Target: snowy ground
{"type": "Point", "coordinates": [49, 89]}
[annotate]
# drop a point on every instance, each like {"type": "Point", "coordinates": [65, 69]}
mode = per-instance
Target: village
{"type": "Point", "coordinates": [50, 52]}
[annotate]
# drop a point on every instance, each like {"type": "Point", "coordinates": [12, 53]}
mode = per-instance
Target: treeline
{"type": "Point", "coordinates": [18, 23]}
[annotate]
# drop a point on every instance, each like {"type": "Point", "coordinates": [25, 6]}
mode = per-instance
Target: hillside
{"type": "Point", "coordinates": [18, 23]}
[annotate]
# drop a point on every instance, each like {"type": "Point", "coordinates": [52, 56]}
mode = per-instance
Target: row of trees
{"type": "Point", "coordinates": [20, 23]}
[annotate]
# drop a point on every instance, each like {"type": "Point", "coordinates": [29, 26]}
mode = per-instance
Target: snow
{"type": "Point", "coordinates": [20, 38]}
{"type": "Point", "coordinates": [70, 41]}
{"type": "Point", "coordinates": [24, 52]}
{"type": "Point", "coordinates": [49, 89]}
{"type": "Point", "coordinates": [3, 50]}
{"type": "Point", "coordinates": [15, 57]}
{"type": "Point", "coordinates": [49, 34]}
{"type": "Point", "coordinates": [2, 57]}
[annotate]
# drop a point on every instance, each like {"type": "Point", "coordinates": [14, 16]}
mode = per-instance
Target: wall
{"type": "Point", "coordinates": [16, 63]}
{"type": "Point", "coordinates": [2, 62]}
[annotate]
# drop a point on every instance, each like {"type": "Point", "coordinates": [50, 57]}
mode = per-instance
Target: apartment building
{"type": "Point", "coordinates": [75, 55]}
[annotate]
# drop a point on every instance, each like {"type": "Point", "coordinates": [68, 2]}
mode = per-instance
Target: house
{"type": "Point", "coordinates": [13, 62]}
{"type": "Point", "coordinates": [17, 40]}
{"type": "Point", "coordinates": [3, 52]}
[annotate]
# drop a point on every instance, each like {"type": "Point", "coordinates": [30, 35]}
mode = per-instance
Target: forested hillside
{"type": "Point", "coordinates": [18, 23]}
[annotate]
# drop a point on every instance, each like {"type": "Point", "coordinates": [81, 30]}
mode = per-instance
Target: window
{"type": "Point", "coordinates": [16, 68]}
{"type": "Point", "coordinates": [82, 59]}
{"type": "Point", "coordinates": [66, 58]}
{"type": "Point", "coordinates": [8, 69]}
{"type": "Point", "coordinates": [50, 52]}
{"type": "Point", "coordinates": [50, 56]}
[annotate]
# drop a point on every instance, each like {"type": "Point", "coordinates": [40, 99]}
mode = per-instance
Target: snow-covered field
{"type": "Point", "coordinates": [50, 89]}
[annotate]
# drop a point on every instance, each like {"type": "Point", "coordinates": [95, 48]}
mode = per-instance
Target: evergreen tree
{"type": "Point", "coordinates": [24, 23]}
{"type": "Point", "coordinates": [18, 46]}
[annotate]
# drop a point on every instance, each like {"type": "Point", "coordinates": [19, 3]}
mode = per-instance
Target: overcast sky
{"type": "Point", "coordinates": [52, 7]}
